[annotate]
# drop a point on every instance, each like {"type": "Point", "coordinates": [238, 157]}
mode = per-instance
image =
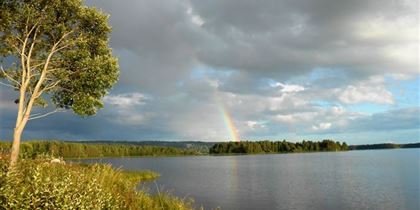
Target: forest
{"type": "Point", "coordinates": [384, 146]}
{"type": "Point", "coordinates": [86, 149]}
{"type": "Point", "coordinates": [31, 149]}
{"type": "Point", "coordinates": [261, 147]}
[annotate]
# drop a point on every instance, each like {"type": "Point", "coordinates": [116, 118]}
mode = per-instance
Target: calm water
{"type": "Point", "coordinates": [380, 179]}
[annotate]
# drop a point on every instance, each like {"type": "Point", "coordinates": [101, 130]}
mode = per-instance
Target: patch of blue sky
{"type": "Point", "coordinates": [368, 108]}
{"type": "Point", "coordinates": [324, 104]}
{"type": "Point", "coordinates": [321, 77]}
{"type": "Point", "coordinates": [405, 92]}
{"type": "Point", "coordinates": [320, 73]}
{"type": "Point", "coordinates": [271, 82]}
{"type": "Point", "coordinates": [203, 71]}
{"type": "Point", "coordinates": [365, 108]}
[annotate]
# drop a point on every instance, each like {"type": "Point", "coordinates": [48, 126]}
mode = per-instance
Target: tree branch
{"type": "Point", "coordinates": [24, 116]}
{"type": "Point", "coordinates": [8, 76]}
{"type": "Point", "coordinates": [36, 93]}
{"type": "Point", "coordinates": [39, 115]}
{"type": "Point", "coordinates": [37, 65]}
{"type": "Point", "coordinates": [16, 48]}
{"type": "Point", "coordinates": [62, 47]}
{"type": "Point", "coordinates": [49, 87]}
{"type": "Point", "coordinates": [8, 85]}
{"type": "Point", "coordinates": [19, 39]}
{"type": "Point", "coordinates": [28, 60]}
{"type": "Point", "coordinates": [61, 39]}
{"type": "Point", "coordinates": [54, 69]}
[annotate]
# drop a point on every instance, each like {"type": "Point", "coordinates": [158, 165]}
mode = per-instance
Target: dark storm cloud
{"type": "Point", "coordinates": [281, 39]}
{"type": "Point", "coordinates": [155, 41]}
{"type": "Point", "coordinates": [158, 40]}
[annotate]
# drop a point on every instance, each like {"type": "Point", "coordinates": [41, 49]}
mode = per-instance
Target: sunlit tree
{"type": "Point", "coordinates": [54, 52]}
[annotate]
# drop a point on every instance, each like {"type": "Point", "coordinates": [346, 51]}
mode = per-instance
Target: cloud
{"type": "Point", "coordinates": [322, 126]}
{"type": "Point", "coordinates": [370, 91]}
{"type": "Point", "coordinates": [254, 125]}
{"type": "Point", "coordinates": [282, 39]}
{"type": "Point", "coordinates": [280, 67]}
{"type": "Point", "coordinates": [127, 108]}
{"type": "Point", "coordinates": [162, 42]}
{"type": "Point", "coordinates": [289, 88]}
{"type": "Point", "coordinates": [125, 100]}
{"type": "Point", "coordinates": [397, 119]}
{"type": "Point", "coordinates": [196, 19]}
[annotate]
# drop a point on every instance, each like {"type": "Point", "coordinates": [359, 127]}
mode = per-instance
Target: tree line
{"type": "Point", "coordinates": [384, 146]}
{"type": "Point", "coordinates": [260, 147]}
{"type": "Point", "coordinates": [31, 149]}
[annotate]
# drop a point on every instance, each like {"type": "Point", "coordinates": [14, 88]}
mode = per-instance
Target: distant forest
{"type": "Point", "coordinates": [261, 147]}
{"type": "Point", "coordinates": [199, 146]}
{"type": "Point", "coordinates": [384, 146]}
{"type": "Point", "coordinates": [91, 149]}
{"type": "Point", "coordinates": [83, 150]}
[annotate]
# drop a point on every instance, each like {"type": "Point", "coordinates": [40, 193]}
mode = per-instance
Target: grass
{"type": "Point", "coordinates": [140, 176]}
{"type": "Point", "coordinates": [40, 184]}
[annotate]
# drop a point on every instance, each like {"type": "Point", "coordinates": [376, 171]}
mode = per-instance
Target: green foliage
{"type": "Point", "coordinates": [64, 40]}
{"type": "Point", "coordinates": [40, 184]}
{"type": "Point", "coordinates": [199, 146]}
{"type": "Point", "coordinates": [260, 147]}
{"type": "Point", "coordinates": [31, 149]}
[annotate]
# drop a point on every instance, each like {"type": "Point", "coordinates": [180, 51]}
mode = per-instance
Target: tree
{"type": "Point", "coordinates": [54, 52]}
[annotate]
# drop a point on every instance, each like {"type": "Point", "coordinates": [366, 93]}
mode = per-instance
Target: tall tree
{"type": "Point", "coordinates": [54, 52]}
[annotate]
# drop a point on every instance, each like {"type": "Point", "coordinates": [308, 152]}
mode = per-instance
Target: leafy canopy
{"type": "Point", "coordinates": [60, 46]}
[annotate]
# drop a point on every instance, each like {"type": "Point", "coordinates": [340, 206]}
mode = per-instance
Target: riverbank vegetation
{"type": "Point", "coordinates": [199, 146]}
{"type": "Point", "coordinates": [32, 149]}
{"type": "Point", "coordinates": [261, 147]}
{"type": "Point", "coordinates": [41, 184]}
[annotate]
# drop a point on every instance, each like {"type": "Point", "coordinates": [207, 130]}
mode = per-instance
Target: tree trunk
{"type": "Point", "coordinates": [17, 134]}
{"type": "Point", "coordinates": [15, 146]}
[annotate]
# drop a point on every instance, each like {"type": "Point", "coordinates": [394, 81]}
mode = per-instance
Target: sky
{"type": "Point", "coordinates": [279, 69]}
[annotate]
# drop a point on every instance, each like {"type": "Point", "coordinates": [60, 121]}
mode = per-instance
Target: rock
{"type": "Point", "coordinates": [56, 160]}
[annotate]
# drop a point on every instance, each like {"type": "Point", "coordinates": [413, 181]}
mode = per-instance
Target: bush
{"type": "Point", "coordinates": [40, 184]}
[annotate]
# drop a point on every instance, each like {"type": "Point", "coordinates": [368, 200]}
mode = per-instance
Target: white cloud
{"type": "Point", "coordinates": [285, 88]}
{"type": "Point", "coordinates": [370, 91]}
{"type": "Point", "coordinates": [296, 118]}
{"type": "Point", "coordinates": [126, 108]}
{"type": "Point", "coordinates": [338, 110]}
{"type": "Point", "coordinates": [196, 19]}
{"type": "Point", "coordinates": [126, 100]}
{"type": "Point", "coordinates": [254, 125]}
{"type": "Point", "coordinates": [400, 29]}
{"type": "Point", "coordinates": [322, 126]}
{"type": "Point", "coordinates": [251, 124]}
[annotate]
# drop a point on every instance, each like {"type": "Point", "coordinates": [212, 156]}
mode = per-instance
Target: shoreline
{"type": "Point", "coordinates": [231, 154]}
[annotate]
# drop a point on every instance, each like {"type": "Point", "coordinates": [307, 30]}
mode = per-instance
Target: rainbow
{"type": "Point", "coordinates": [227, 118]}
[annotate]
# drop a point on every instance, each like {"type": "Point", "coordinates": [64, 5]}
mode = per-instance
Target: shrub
{"type": "Point", "coordinates": [40, 184]}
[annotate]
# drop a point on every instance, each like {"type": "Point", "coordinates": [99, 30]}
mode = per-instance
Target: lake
{"type": "Point", "coordinates": [370, 179]}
